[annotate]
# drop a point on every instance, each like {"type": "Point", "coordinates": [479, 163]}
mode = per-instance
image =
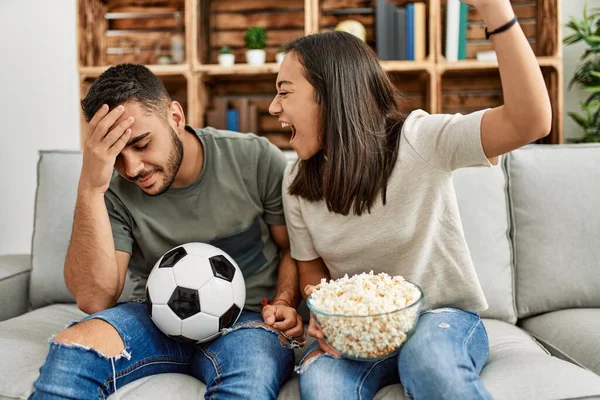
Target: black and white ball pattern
{"type": "Point", "coordinates": [194, 291]}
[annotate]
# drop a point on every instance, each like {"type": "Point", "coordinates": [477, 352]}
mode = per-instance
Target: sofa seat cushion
{"type": "Point", "coordinates": [518, 367]}
{"type": "Point", "coordinates": [24, 345]}
{"type": "Point", "coordinates": [569, 334]}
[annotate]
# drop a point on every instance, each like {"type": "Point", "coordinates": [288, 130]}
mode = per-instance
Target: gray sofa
{"type": "Point", "coordinates": [533, 228]}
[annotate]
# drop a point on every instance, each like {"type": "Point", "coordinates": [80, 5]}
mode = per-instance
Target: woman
{"type": "Point", "coordinates": [373, 190]}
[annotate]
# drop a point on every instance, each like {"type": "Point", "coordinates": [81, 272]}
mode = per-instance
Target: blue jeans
{"type": "Point", "coordinates": [248, 361]}
{"type": "Point", "coordinates": [441, 360]}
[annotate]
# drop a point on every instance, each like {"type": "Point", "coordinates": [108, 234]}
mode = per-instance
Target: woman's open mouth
{"type": "Point", "coordinates": [293, 129]}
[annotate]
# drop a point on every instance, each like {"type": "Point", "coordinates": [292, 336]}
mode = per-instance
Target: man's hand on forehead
{"type": "Point", "coordinates": [106, 139]}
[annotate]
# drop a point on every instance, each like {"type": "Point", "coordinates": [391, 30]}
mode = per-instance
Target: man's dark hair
{"type": "Point", "coordinates": [124, 83]}
{"type": "Point", "coordinates": [359, 123]}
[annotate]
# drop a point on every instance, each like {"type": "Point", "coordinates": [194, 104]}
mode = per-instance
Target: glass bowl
{"type": "Point", "coordinates": [368, 337]}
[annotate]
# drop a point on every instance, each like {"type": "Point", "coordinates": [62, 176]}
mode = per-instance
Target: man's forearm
{"type": "Point", "coordinates": [287, 280]}
{"type": "Point", "coordinates": [90, 270]}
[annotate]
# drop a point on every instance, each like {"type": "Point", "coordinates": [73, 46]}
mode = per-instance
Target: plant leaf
{"type": "Point", "coordinates": [573, 38]}
{"type": "Point", "coordinates": [578, 119]}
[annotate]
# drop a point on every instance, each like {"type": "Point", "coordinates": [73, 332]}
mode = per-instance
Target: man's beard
{"type": "Point", "coordinates": [173, 164]}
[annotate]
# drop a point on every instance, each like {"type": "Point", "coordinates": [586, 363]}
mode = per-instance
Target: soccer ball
{"type": "Point", "coordinates": [194, 291]}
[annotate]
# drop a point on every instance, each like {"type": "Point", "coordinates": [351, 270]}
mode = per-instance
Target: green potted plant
{"type": "Point", "coordinates": [279, 56]}
{"type": "Point", "coordinates": [226, 58]}
{"type": "Point", "coordinates": [587, 74]}
{"type": "Point", "coordinates": [256, 40]}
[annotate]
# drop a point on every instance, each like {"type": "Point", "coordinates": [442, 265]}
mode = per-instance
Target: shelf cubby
{"type": "Point", "coordinates": [468, 90]}
{"type": "Point", "coordinates": [119, 31]}
{"type": "Point", "coordinates": [252, 102]}
{"type": "Point", "coordinates": [332, 12]}
{"type": "Point", "coordinates": [224, 23]}
{"type": "Point", "coordinates": [538, 19]}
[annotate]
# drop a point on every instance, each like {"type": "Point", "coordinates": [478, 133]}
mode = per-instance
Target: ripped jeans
{"type": "Point", "coordinates": [249, 361]}
{"type": "Point", "coordinates": [441, 360]}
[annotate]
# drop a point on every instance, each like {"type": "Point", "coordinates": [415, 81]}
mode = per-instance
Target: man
{"type": "Point", "coordinates": [174, 185]}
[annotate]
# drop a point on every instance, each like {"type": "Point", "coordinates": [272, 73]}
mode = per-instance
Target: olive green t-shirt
{"type": "Point", "coordinates": [230, 206]}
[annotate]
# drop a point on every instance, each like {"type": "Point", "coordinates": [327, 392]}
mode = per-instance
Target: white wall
{"type": "Point", "coordinates": [571, 55]}
{"type": "Point", "coordinates": [38, 104]}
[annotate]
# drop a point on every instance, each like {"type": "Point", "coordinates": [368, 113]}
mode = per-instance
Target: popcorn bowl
{"type": "Point", "coordinates": [368, 337]}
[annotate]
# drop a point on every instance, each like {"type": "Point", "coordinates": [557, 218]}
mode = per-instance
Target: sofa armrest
{"type": "Point", "coordinates": [14, 285]}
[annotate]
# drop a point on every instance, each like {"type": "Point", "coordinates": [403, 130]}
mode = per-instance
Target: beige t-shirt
{"type": "Point", "coordinates": [418, 233]}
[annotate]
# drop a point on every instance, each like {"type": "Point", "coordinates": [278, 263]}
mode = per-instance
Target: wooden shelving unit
{"type": "Point", "coordinates": [110, 29]}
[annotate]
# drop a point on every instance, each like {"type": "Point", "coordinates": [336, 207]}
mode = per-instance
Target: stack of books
{"type": "Point", "coordinates": [400, 31]}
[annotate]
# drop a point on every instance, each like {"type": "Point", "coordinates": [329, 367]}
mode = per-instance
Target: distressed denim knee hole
{"type": "Point", "coordinates": [82, 335]}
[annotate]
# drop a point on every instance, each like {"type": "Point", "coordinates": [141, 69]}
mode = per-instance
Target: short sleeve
{"type": "Point", "coordinates": [120, 222]}
{"type": "Point", "coordinates": [301, 242]}
{"type": "Point", "coordinates": [446, 141]}
{"type": "Point", "coordinates": [271, 164]}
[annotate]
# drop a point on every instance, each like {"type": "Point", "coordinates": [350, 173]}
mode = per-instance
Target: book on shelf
{"type": "Point", "coordinates": [456, 30]}
{"type": "Point", "coordinates": [419, 33]}
{"type": "Point", "coordinates": [452, 28]}
{"type": "Point", "coordinates": [244, 109]}
{"type": "Point", "coordinates": [410, 31]}
{"type": "Point", "coordinates": [488, 55]}
{"type": "Point", "coordinates": [383, 30]}
{"type": "Point", "coordinates": [233, 120]}
{"type": "Point", "coordinates": [462, 31]}
{"type": "Point", "coordinates": [400, 33]}
{"type": "Point", "coordinates": [217, 117]}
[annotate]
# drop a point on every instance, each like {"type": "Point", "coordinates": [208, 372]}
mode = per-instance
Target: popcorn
{"type": "Point", "coordinates": [365, 316]}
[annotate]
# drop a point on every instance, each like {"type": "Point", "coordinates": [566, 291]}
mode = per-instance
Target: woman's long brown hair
{"type": "Point", "coordinates": [359, 123]}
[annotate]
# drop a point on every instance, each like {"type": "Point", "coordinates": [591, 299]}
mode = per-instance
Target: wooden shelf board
{"type": "Point", "coordinates": [392, 66]}
{"type": "Point", "coordinates": [474, 64]}
{"type": "Point", "coordinates": [346, 11]}
{"type": "Point", "coordinates": [273, 68]}
{"type": "Point", "coordinates": [159, 70]}
{"type": "Point", "coordinates": [140, 15]}
{"type": "Point", "coordinates": [237, 69]}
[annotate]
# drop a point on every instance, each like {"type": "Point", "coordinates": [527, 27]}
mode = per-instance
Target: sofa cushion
{"type": "Point", "coordinates": [483, 205]}
{"type": "Point", "coordinates": [554, 192]}
{"type": "Point", "coordinates": [518, 367]}
{"type": "Point", "coordinates": [569, 334]}
{"type": "Point", "coordinates": [57, 179]}
{"type": "Point", "coordinates": [14, 283]}
{"type": "Point", "coordinates": [24, 345]}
